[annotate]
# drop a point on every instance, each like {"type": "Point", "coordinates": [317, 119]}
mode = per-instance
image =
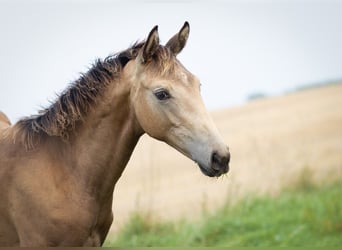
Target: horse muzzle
{"type": "Point", "coordinates": [219, 165]}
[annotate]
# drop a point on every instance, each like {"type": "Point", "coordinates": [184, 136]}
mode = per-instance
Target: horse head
{"type": "Point", "coordinates": [168, 105]}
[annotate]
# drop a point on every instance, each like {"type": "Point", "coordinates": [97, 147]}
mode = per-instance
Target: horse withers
{"type": "Point", "coordinates": [58, 169]}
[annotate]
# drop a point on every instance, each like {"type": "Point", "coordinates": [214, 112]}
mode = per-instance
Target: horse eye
{"type": "Point", "coordinates": [162, 94]}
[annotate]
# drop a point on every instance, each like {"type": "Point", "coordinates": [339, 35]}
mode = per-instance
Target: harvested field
{"type": "Point", "coordinates": [273, 143]}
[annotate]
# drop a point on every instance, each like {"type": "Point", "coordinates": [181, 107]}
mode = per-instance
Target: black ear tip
{"type": "Point", "coordinates": [154, 31]}
{"type": "Point", "coordinates": [186, 24]}
{"type": "Point", "coordinates": [155, 28]}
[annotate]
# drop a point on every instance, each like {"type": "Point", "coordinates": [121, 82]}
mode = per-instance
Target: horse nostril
{"type": "Point", "coordinates": [215, 159]}
{"type": "Point", "coordinates": [219, 161]}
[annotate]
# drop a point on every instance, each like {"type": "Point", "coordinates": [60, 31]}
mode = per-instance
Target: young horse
{"type": "Point", "coordinates": [58, 169]}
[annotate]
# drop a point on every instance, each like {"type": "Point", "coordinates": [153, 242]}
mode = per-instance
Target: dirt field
{"type": "Point", "coordinates": [271, 142]}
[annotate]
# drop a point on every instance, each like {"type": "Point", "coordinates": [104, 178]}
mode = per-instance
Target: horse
{"type": "Point", "coordinates": [58, 168]}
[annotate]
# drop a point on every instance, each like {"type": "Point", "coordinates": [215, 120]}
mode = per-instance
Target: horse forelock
{"type": "Point", "coordinates": [163, 62]}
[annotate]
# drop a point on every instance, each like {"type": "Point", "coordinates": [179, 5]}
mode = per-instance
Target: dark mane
{"type": "Point", "coordinates": [74, 102]}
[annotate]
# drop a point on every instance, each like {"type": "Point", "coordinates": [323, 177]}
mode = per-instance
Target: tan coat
{"type": "Point", "coordinates": [58, 169]}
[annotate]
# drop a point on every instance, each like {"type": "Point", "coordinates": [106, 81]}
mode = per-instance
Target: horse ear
{"type": "Point", "coordinates": [150, 45]}
{"type": "Point", "coordinates": [178, 41]}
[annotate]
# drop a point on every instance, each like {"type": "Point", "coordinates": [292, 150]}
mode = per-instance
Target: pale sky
{"type": "Point", "coordinates": [235, 47]}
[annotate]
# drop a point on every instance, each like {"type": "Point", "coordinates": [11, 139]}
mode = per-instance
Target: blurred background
{"type": "Point", "coordinates": [270, 73]}
{"type": "Point", "coordinates": [236, 48]}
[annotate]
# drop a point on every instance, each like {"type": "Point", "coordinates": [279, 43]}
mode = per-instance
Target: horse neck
{"type": "Point", "coordinates": [104, 141]}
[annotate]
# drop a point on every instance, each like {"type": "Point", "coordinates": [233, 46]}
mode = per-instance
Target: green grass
{"type": "Point", "coordinates": [303, 216]}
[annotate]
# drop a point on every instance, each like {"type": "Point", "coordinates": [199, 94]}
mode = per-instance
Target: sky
{"type": "Point", "coordinates": [236, 48]}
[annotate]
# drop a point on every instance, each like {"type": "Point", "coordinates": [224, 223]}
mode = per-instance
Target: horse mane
{"type": "Point", "coordinates": [75, 101]}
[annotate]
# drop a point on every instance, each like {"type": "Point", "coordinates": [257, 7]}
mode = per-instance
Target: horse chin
{"type": "Point", "coordinates": [209, 171]}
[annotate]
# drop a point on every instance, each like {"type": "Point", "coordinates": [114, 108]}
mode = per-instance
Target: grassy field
{"type": "Point", "coordinates": [305, 215]}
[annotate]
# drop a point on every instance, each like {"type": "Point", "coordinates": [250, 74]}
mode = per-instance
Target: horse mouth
{"type": "Point", "coordinates": [212, 172]}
